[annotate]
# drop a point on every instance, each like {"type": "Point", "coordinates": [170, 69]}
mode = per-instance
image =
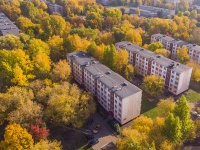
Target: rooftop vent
{"type": "Point", "coordinates": [94, 62]}
{"type": "Point", "coordinates": [83, 54]}
{"type": "Point", "coordinates": [158, 56]}
{"type": "Point", "coordinates": [142, 49]}
{"type": "Point", "coordinates": [87, 64]}
{"type": "Point", "coordinates": [129, 44]}
{"type": "Point", "coordinates": [74, 56]}
{"type": "Point", "coordinates": [194, 45]}
{"type": "Point", "coordinates": [118, 89]}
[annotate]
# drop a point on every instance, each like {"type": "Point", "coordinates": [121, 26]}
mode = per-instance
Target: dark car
{"type": "Point", "coordinates": [96, 129]}
{"type": "Point", "coordinates": [93, 142]}
{"type": "Point", "coordinates": [89, 137]}
{"type": "Point", "coordinates": [90, 121]}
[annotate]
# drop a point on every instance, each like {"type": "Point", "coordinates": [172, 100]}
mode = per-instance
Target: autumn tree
{"type": "Point", "coordinates": [42, 65]}
{"type": "Point", "coordinates": [38, 131]}
{"type": "Point", "coordinates": [153, 85]}
{"type": "Point", "coordinates": [48, 145]}
{"type": "Point", "coordinates": [16, 137]}
{"type": "Point", "coordinates": [10, 42]}
{"type": "Point", "coordinates": [163, 52]}
{"type": "Point", "coordinates": [36, 45]}
{"type": "Point", "coordinates": [195, 70]}
{"type": "Point", "coordinates": [128, 71]}
{"type": "Point", "coordinates": [68, 105]}
{"type": "Point", "coordinates": [121, 61]}
{"type": "Point", "coordinates": [75, 43]}
{"type": "Point", "coordinates": [28, 9]}
{"type": "Point", "coordinates": [61, 71]}
{"type": "Point", "coordinates": [15, 67]}
{"type": "Point", "coordinates": [183, 55]}
{"type": "Point", "coordinates": [165, 107]}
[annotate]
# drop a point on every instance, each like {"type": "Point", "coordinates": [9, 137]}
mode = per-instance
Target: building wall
{"type": "Point", "coordinates": [130, 109]}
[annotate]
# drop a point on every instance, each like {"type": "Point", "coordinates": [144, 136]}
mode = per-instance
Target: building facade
{"type": "Point", "coordinates": [55, 8]}
{"type": "Point", "coordinates": [173, 44]}
{"type": "Point", "coordinates": [175, 75]}
{"type": "Point", "coordinates": [7, 27]}
{"type": "Point", "coordinates": [118, 96]}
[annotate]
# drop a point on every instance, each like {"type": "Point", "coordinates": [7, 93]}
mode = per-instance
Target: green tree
{"type": "Point", "coordinates": [172, 129]}
{"type": "Point", "coordinates": [28, 10]}
{"type": "Point", "coordinates": [183, 55]}
{"type": "Point", "coordinates": [154, 46]}
{"type": "Point", "coordinates": [153, 85]}
{"type": "Point", "coordinates": [91, 48]}
{"type": "Point", "coordinates": [182, 110]}
{"type": "Point", "coordinates": [16, 137]}
{"type": "Point", "coordinates": [109, 56]}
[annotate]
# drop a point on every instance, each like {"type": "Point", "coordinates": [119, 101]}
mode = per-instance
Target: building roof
{"type": "Point", "coordinates": [166, 62]}
{"type": "Point", "coordinates": [7, 27]}
{"type": "Point", "coordinates": [112, 80]}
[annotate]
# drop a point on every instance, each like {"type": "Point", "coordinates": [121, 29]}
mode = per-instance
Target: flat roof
{"type": "Point", "coordinates": [166, 62]}
{"type": "Point", "coordinates": [112, 80]}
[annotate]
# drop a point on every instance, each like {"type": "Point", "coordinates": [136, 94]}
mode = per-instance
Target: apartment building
{"type": "Point", "coordinates": [176, 76]}
{"type": "Point", "coordinates": [173, 44]}
{"type": "Point", "coordinates": [55, 8]}
{"type": "Point", "coordinates": [104, 2]}
{"type": "Point", "coordinates": [118, 96]}
{"type": "Point", "coordinates": [7, 27]}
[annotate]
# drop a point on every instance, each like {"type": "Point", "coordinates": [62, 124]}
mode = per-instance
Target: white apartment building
{"type": "Point", "coordinates": [118, 96]}
{"type": "Point", "coordinates": [173, 44]}
{"type": "Point", "coordinates": [176, 76]}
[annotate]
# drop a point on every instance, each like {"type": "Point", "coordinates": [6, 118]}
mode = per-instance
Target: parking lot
{"type": "Point", "coordinates": [105, 134]}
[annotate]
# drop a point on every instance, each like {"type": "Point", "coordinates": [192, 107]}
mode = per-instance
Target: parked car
{"type": "Point", "coordinates": [89, 137]}
{"type": "Point", "coordinates": [195, 113]}
{"type": "Point", "coordinates": [93, 142]}
{"type": "Point", "coordinates": [90, 122]}
{"type": "Point", "coordinates": [96, 129]}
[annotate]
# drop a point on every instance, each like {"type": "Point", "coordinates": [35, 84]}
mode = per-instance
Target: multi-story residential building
{"type": "Point", "coordinates": [118, 96]}
{"type": "Point", "coordinates": [173, 44]}
{"type": "Point", "coordinates": [176, 76]}
{"type": "Point", "coordinates": [7, 27]}
{"type": "Point", "coordinates": [55, 8]}
{"type": "Point", "coordinates": [150, 11]}
{"type": "Point", "coordinates": [104, 2]}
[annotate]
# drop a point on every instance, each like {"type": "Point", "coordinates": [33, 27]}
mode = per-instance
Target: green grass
{"type": "Point", "coordinates": [193, 96]}
{"type": "Point", "coordinates": [148, 109]}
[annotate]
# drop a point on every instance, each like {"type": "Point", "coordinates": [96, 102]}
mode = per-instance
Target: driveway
{"type": "Point", "coordinates": [105, 134]}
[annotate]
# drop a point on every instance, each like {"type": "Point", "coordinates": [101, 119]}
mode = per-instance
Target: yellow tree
{"type": "Point", "coordinates": [165, 107]}
{"type": "Point", "coordinates": [99, 52]}
{"type": "Point", "coordinates": [153, 85]}
{"type": "Point", "coordinates": [162, 52]}
{"type": "Point", "coordinates": [16, 138]}
{"type": "Point", "coordinates": [128, 71]}
{"type": "Point", "coordinates": [47, 145]}
{"type": "Point", "coordinates": [56, 47]}
{"type": "Point", "coordinates": [195, 70]}
{"type": "Point", "coordinates": [121, 60]}
{"type": "Point", "coordinates": [61, 71]}
{"type": "Point", "coordinates": [183, 55]}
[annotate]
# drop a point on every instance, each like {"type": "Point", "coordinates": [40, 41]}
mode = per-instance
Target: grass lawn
{"type": "Point", "coordinates": [193, 96]}
{"type": "Point", "coordinates": [148, 108]}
